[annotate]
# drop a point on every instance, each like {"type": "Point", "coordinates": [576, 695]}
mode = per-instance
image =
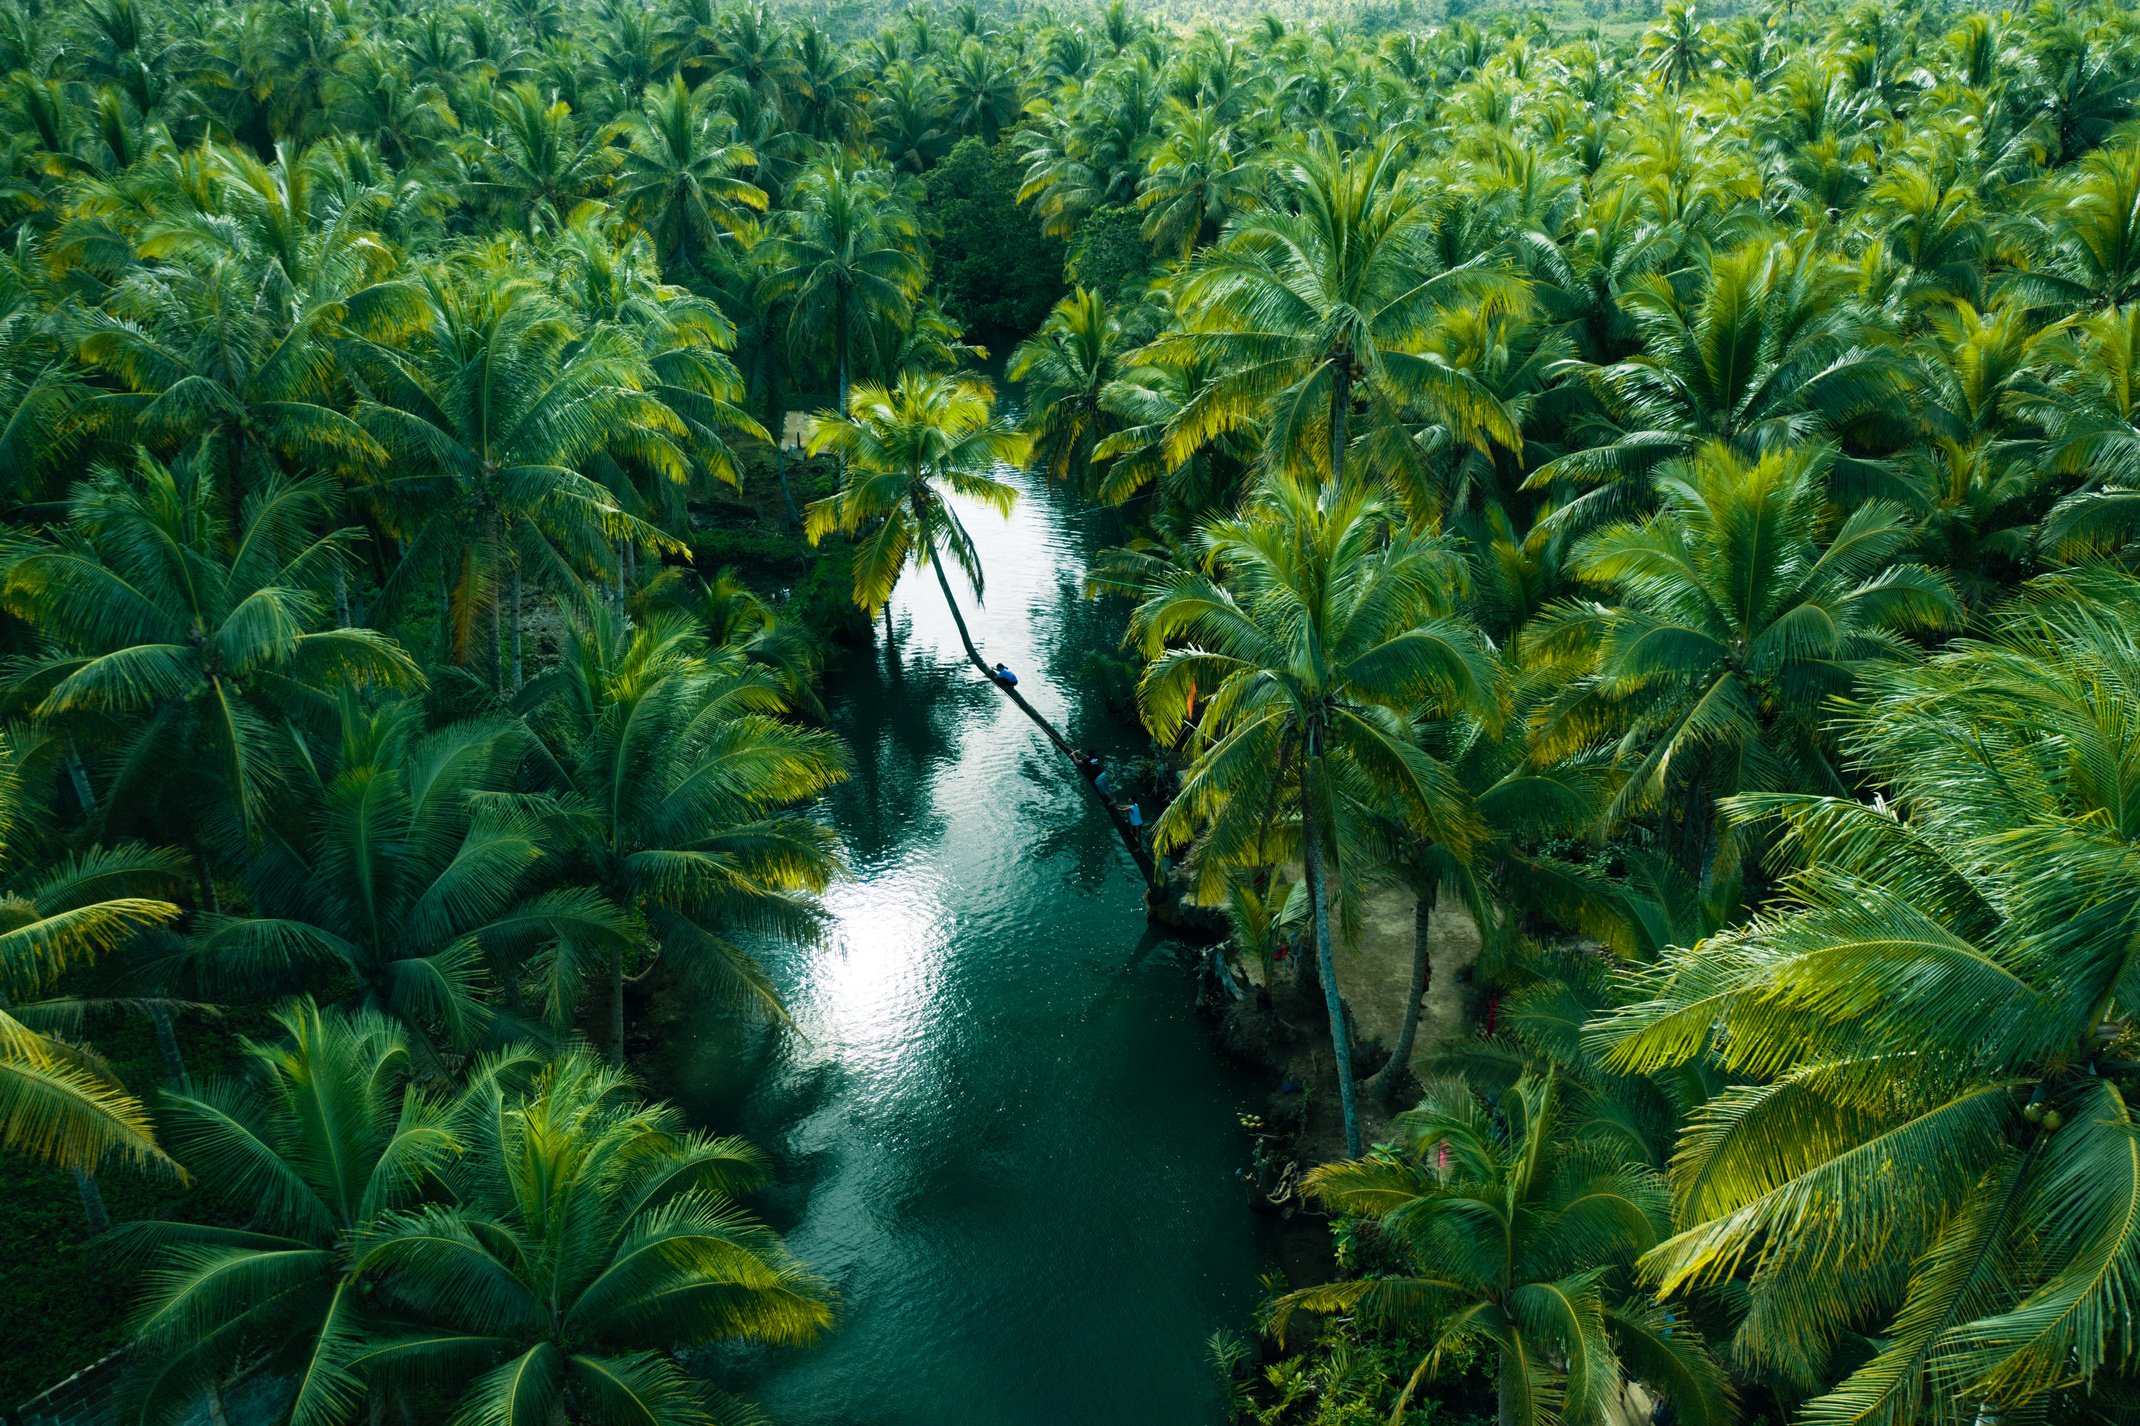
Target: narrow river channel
{"type": "Point", "coordinates": [998, 1128]}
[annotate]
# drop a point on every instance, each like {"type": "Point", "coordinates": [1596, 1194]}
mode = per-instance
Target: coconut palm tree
{"type": "Point", "coordinates": [1065, 368]}
{"type": "Point", "coordinates": [594, 1238]}
{"type": "Point", "coordinates": [229, 335]}
{"type": "Point", "coordinates": [908, 450]}
{"type": "Point", "coordinates": [843, 255]}
{"type": "Point", "coordinates": [2089, 234]}
{"type": "Point", "coordinates": [1769, 353]}
{"type": "Point", "coordinates": [1676, 48]}
{"type": "Point", "coordinates": [1320, 302]}
{"type": "Point", "coordinates": [1734, 623]}
{"type": "Point", "coordinates": [403, 876]}
{"type": "Point", "coordinates": [677, 797]}
{"type": "Point", "coordinates": [489, 416]}
{"type": "Point", "coordinates": [1199, 178]}
{"type": "Point", "coordinates": [58, 1100]}
{"type": "Point", "coordinates": [321, 1136]}
{"type": "Point", "coordinates": [681, 178]}
{"type": "Point", "coordinates": [1295, 656]}
{"type": "Point", "coordinates": [189, 646]}
{"type": "Point", "coordinates": [1919, 1029]}
{"type": "Point", "coordinates": [1514, 1231]}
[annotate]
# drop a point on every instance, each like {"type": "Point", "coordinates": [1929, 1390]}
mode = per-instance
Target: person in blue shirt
{"type": "Point", "coordinates": [1005, 677]}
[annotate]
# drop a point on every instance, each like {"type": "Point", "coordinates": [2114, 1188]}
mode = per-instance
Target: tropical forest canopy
{"type": "Point", "coordinates": [1661, 484]}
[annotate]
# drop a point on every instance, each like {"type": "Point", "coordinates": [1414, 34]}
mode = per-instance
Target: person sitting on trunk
{"type": "Point", "coordinates": [1005, 677]}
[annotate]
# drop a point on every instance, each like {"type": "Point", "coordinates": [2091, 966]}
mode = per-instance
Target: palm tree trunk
{"type": "Point", "coordinates": [616, 1006]}
{"type": "Point", "coordinates": [1325, 961]}
{"type": "Point", "coordinates": [1392, 1075]}
{"type": "Point", "coordinates": [1132, 840]}
{"type": "Point", "coordinates": [943, 582]}
{"type": "Point", "coordinates": [1340, 414]}
{"type": "Point", "coordinates": [780, 468]}
{"type": "Point", "coordinates": [516, 626]}
{"type": "Point", "coordinates": [445, 615]}
{"type": "Point", "coordinates": [79, 775]}
{"type": "Point", "coordinates": [174, 1061]}
{"type": "Point", "coordinates": [93, 1209]}
{"type": "Point", "coordinates": [497, 653]}
{"type": "Point", "coordinates": [839, 339]}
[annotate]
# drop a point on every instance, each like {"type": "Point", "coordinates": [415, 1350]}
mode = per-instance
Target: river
{"type": "Point", "coordinates": [998, 1127]}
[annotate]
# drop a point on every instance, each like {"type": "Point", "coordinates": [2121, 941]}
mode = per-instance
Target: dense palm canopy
{"type": "Point", "coordinates": [1663, 483]}
{"type": "Point", "coordinates": [1921, 1024]}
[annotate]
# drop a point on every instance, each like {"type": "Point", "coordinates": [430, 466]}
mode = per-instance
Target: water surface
{"type": "Point", "coordinates": [1001, 1131]}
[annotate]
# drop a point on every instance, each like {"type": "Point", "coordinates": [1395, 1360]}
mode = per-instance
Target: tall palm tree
{"type": "Point", "coordinates": [844, 255]}
{"type": "Point", "coordinates": [319, 1139]}
{"type": "Point", "coordinates": [1734, 624]}
{"type": "Point", "coordinates": [490, 415]}
{"type": "Point", "coordinates": [1925, 1127]}
{"type": "Point", "coordinates": [1514, 1231]}
{"type": "Point", "coordinates": [677, 797]}
{"type": "Point", "coordinates": [594, 1238]}
{"type": "Point", "coordinates": [908, 450]}
{"type": "Point", "coordinates": [1296, 656]}
{"type": "Point", "coordinates": [1305, 309]}
{"type": "Point", "coordinates": [188, 645]}
{"type": "Point", "coordinates": [58, 1100]}
{"type": "Point", "coordinates": [681, 178]}
{"type": "Point", "coordinates": [1676, 48]}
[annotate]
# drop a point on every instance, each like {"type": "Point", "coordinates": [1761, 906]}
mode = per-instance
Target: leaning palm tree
{"type": "Point", "coordinates": [677, 797]}
{"type": "Point", "coordinates": [1513, 1231]}
{"type": "Point", "coordinates": [1295, 657]}
{"type": "Point", "coordinates": [908, 450]}
{"type": "Point", "coordinates": [320, 1138]}
{"type": "Point", "coordinates": [58, 1100]}
{"type": "Point", "coordinates": [1930, 1121]}
{"type": "Point", "coordinates": [595, 1238]}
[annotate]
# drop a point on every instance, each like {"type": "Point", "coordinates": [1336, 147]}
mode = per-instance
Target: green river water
{"type": "Point", "coordinates": [998, 1128]}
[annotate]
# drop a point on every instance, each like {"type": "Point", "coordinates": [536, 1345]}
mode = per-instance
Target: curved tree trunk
{"type": "Point", "coordinates": [1325, 961]}
{"type": "Point", "coordinates": [1386, 1083]}
{"type": "Point", "coordinates": [1131, 838]}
